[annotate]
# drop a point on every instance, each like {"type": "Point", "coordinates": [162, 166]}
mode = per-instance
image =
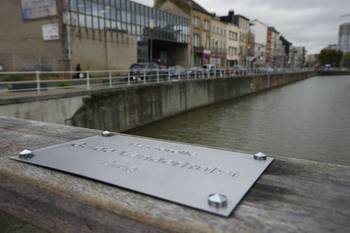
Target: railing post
{"type": "Point", "coordinates": [38, 88]}
{"type": "Point", "coordinates": [169, 75]}
{"type": "Point", "coordinates": [157, 75]}
{"type": "Point", "coordinates": [179, 75]}
{"type": "Point", "coordinates": [196, 74]}
{"type": "Point", "coordinates": [188, 74]}
{"type": "Point", "coordinates": [144, 76]}
{"type": "Point", "coordinates": [110, 78]}
{"type": "Point", "coordinates": [128, 77]}
{"type": "Point", "coordinates": [208, 75]}
{"type": "Point", "coordinates": [88, 80]}
{"type": "Point", "coordinates": [215, 70]}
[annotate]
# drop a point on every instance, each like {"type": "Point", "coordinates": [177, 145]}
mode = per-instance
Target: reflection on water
{"type": "Point", "coordinates": [308, 119]}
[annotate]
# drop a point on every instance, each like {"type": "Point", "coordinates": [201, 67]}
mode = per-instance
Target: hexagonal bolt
{"type": "Point", "coordinates": [106, 134]}
{"type": "Point", "coordinates": [26, 154]}
{"type": "Point", "coordinates": [260, 156]}
{"type": "Point", "coordinates": [217, 200]}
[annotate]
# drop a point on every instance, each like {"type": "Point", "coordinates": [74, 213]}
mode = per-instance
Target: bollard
{"type": "Point", "coordinates": [144, 76]}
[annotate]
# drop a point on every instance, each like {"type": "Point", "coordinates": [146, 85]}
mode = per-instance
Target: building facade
{"type": "Point", "coordinates": [113, 34]}
{"type": "Point", "coordinates": [201, 36]}
{"type": "Point", "coordinates": [272, 46]}
{"type": "Point", "coordinates": [201, 27]}
{"type": "Point", "coordinates": [243, 26]}
{"type": "Point", "coordinates": [344, 37]}
{"type": "Point", "coordinates": [232, 44]}
{"type": "Point", "coordinates": [97, 34]}
{"type": "Point", "coordinates": [244, 29]}
{"type": "Point", "coordinates": [311, 60]}
{"type": "Point", "coordinates": [297, 57]}
{"type": "Point", "coordinates": [260, 30]}
{"type": "Point", "coordinates": [285, 51]}
{"type": "Point", "coordinates": [218, 42]}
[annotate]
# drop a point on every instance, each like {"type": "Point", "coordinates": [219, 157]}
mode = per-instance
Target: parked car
{"type": "Point", "coordinates": [138, 70]}
{"type": "Point", "coordinates": [175, 71]}
{"type": "Point", "coordinates": [36, 67]}
{"type": "Point", "coordinates": [238, 69]}
{"type": "Point", "coordinates": [327, 66]}
{"type": "Point", "coordinates": [196, 70]}
{"type": "Point", "coordinates": [211, 68]}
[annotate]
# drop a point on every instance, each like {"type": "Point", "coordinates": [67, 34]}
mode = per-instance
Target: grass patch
{"type": "Point", "coordinates": [64, 84]}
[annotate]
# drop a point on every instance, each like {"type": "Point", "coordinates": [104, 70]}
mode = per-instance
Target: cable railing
{"type": "Point", "coordinates": [36, 82]}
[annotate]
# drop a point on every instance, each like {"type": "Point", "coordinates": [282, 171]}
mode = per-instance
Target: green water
{"type": "Point", "coordinates": [309, 119]}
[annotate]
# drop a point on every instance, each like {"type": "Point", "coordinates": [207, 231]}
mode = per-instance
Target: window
{"type": "Point", "coordinates": [196, 40]}
{"type": "Point", "coordinates": [206, 25]}
{"type": "Point", "coordinates": [130, 17]}
{"type": "Point", "coordinates": [232, 51]}
{"type": "Point", "coordinates": [232, 35]}
{"type": "Point", "coordinates": [195, 21]}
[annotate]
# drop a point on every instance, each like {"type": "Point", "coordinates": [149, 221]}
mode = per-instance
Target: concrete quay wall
{"type": "Point", "coordinates": [123, 108]}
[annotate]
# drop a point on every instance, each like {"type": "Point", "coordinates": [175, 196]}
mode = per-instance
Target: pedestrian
{"type": "Point", "coordinates": [77, 71]}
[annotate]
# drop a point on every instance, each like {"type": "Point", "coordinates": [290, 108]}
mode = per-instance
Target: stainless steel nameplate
{"type": "Point", "coordinates": [206, 179]}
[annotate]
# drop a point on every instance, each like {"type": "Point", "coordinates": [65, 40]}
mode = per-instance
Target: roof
{"type": "Point", "coordinates": [197, 7]}
{"type": "Point", "coordinates": [261, 22]}
{"type": "Point", "coordinates": [273, 29]}
{"type": "Point", "coordinates": [242, 16]}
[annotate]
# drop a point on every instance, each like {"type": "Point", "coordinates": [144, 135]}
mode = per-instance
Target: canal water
{"type": "Point", "coordinates": [309, 120]}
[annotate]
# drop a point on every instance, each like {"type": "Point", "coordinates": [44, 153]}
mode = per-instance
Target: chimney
{"type": "Point", "coordinates": [231, 16]}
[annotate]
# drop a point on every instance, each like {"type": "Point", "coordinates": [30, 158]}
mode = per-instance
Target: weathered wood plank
{"type": "Point", "coordinates": [292, 196]}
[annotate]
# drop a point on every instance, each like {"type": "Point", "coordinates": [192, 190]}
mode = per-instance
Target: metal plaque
{"type": "Point", "coordinates": [206, 179]}
{"type": "Point", "coordinates": [35, 9]}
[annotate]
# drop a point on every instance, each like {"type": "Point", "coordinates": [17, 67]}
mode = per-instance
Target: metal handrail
{"type": "Point", "coordinates": [112, 78]}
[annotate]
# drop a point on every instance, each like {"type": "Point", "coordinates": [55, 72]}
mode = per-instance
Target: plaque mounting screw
{"type": "Point", "coordinates": [260, 156]}
{"type": "Point", "coordinates": [26, 154]}
{"type": "Point", "coordinates": [217, 200]}
{"type": "Point", "coordinates": [106, 134]}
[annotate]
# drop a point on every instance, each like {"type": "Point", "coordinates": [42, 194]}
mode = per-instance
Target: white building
{"type": "Point", "coordinates": [260, 31]}
{"type": "Point", "coordinates": [344, 37]}
{"type": "Point", "coordinates": [232, 44]}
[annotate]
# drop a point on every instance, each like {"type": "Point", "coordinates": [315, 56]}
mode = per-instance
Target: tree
{"type": "Point", "coordinates": [330, 56]}
{"type": "Point", "coordinates": [346, 60]}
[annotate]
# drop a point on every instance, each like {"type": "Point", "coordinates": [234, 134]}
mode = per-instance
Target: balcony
{"type": "Point", "coordinates": [198, 49]}
{"type": "Point", "coordinates": [219, 51]}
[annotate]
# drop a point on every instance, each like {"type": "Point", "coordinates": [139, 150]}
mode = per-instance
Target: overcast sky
{"type": "Point", "coordinates": [311, 23]}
